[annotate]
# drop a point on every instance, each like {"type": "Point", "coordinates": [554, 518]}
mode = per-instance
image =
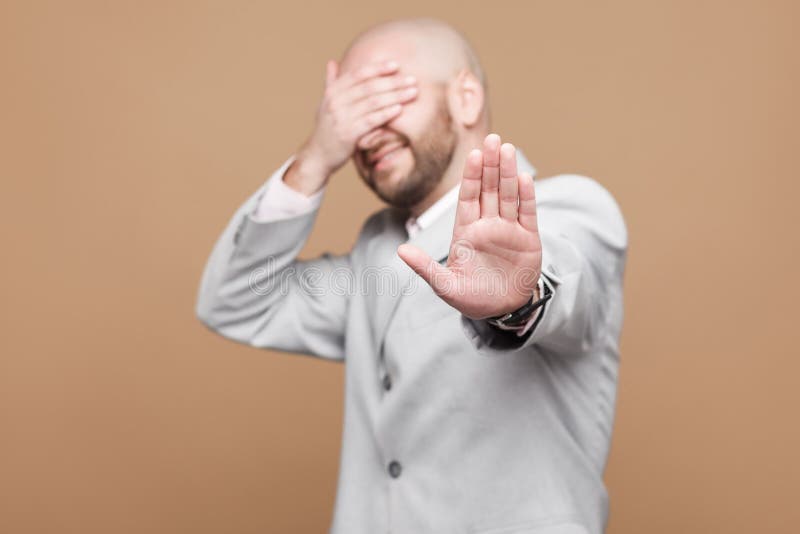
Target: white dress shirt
{"type": "Point", "coordinates": [280, 201]}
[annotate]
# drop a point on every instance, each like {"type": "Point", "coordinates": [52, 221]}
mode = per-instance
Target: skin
{"type": "Point", "coordinates": [415, 86]}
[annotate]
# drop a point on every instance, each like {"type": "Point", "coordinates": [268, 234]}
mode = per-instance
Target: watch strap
{"type": "Point", "coordinates": [521, 315]}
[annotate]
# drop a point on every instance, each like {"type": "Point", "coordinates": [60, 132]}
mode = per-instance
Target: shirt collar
{"type": "Point", "coordinates": [415, 224]}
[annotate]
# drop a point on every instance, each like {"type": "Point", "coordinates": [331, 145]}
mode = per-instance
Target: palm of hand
{"type": "Point", "coordinates": [496, 253]}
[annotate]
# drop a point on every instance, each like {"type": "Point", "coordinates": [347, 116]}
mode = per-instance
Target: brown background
{"type": "Point", "coordinates": [131, 131]}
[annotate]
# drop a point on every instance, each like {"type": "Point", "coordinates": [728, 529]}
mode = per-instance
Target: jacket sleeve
{"type": "Point", "coordinates": [280, 201]}
{"type": "Point", "coordinates": [255, 291]}
{"type": "Point", "coordinates": [584, 246]}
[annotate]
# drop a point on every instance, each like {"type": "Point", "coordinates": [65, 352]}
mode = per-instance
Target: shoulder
{"type": "Point", "coordinates": [581, 202]}
{"type": "Point", "coordinates": [381, 220]}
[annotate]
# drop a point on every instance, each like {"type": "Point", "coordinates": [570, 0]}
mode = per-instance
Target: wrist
{"type": "Point", "coordinates": [522, 315]}
{"type": "Point", "coordinates": [308, 173]}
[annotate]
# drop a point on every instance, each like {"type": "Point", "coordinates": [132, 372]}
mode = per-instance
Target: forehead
{"type": "Point", "coordinates": [385, 47]}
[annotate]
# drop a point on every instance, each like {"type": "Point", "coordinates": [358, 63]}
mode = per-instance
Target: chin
{"type": "Point", "coordinates": [389, 180]}
{"type": "Point", "coordinates": [390, 183]}
{"type": "Point", "coordinates": [388, 192]}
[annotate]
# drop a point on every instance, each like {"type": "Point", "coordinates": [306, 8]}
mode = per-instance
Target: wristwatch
{"type": "Point", "coordinates": [521, 315]}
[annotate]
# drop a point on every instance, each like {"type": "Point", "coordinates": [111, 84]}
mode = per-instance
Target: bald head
{"type": "Point", "coordinates": [448, 116]}
{"type": "Point", "coordinates": [435, 49]}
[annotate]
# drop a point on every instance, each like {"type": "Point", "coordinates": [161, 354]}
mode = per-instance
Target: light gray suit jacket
{"type": "Point", "coordinates": [450, 425]}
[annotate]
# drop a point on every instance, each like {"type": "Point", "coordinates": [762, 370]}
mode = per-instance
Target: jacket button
{"type": "Point", "coordinates": [387, 382]}
{"type": "Point", "coordinates": [395, 469]}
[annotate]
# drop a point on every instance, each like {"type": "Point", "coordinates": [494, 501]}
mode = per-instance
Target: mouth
{"type": "Point", "coordinates": [385, 156]}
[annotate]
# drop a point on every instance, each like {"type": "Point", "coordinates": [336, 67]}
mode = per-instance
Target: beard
{"type": "Point", "coordinates": [431, 153]}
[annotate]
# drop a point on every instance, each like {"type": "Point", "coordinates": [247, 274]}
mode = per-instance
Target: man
{"type": "Point", "coordinates": [482, 400]}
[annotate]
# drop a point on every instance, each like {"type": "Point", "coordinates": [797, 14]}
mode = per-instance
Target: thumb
{"type": "Point", "coordinates": [331, 70]}
{"type": "Point", "coordinates": [435, 274]}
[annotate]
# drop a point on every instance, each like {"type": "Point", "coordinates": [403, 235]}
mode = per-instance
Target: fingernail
{"type": "Point", "coordinates": [391, 64]}
{"type": "Point", "coordinates": [410, 79]}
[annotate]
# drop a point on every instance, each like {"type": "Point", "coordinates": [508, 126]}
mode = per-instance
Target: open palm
{"type": "Point", "coordinates": [495, 253]}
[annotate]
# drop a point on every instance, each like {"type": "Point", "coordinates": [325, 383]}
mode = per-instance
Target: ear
{"type": "Point", "coordinates": [466, 97]}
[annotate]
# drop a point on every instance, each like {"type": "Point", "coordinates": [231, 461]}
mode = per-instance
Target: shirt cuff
{"type": "Point", "coordinates": [279, 201]}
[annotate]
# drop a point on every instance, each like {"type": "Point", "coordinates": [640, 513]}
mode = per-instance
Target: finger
{"type": "Point", "coordinates": [469, 194]}
{"type": "Point", "coordinates": [371, 70]}
{"type": "Point", "coordinates": [527, 203]}
{"type": "Point", "coordinates": [509, 182]}
{"type": "Point", "coordinates": [331, 69]}
{"type": "Point", "coordinates": [398, 96]}
{"type": "Point", "coordinates": [381, 84]}
{"type": "Point", "coordinates": [381, 100]}
{"type": "Point", "coordinates": [436, 275]}
{"type": "Point", "coordinates": [370, 139]}
{"type": "Point", "coordinates": [491, 176]}
{"type": "Point", "coordinates": [375, 138]}
{"type": "Point", "coordinates": [375, 118]}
